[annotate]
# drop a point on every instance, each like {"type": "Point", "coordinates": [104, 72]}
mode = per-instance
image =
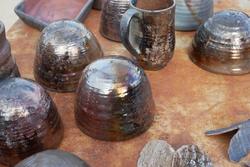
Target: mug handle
{"type": "Point", "coordinates": [124, 30]}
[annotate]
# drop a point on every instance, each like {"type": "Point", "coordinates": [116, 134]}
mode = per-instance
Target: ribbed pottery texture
{"type": "Point", "coordinates": [112, 13]}
{"type": "Point", "coordinates": [149, 35]}
{"type": "Point", "coordinates": [114, 100]}
{"type": "Point", "coordinates": [64, 49]}
{"type": "Point", "coordinates": [190, 14]}
{"type": "Point", "coordinates": [8, 67]}
{"type": "Point", "coordinates": [222, 44]}
{"type": "Point", "coordinates": [29, 121]}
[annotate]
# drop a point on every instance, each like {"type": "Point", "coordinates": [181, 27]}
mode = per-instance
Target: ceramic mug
{"type": "Point", "coordinates": [148, 32]}
{"type": "Point", "coordinates": [190, 14]}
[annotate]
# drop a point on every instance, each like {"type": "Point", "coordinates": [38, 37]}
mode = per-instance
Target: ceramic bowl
{"type": "Point", "coordinates": [222, 44]}
{"type": "Point", "coordinates": [8, 67]}
{"type": "Point", "coordinates": [114, 100]}
{"type": "Point", "coordinates": [52, 158]}
{"type": "Point", "coordinates": [64, 49]}
{"type": "Point", "coordinates": [190, 14]}
{"type": "Point", "coordinates": [29, 120]}
{"type": "Point", "coordinates": [111, 16]}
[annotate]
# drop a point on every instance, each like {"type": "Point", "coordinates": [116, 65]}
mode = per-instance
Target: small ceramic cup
{"type": "Point", "coordinates": [64, 49]}
{"type": "Point", "coordinates": [148, 32]}
{"type": "Point", "coordinates": [190, 14]}
{"type": "Point", "coordinates": [222, 44]}
{"type": "Point", "coordinates": [29, 120]}
{"type": "Point", "coordinates": [114, 100]}
{"type": "Point", "coordinates": [8, 67]}
{"type": "Point", "coordinates": [111, 17]}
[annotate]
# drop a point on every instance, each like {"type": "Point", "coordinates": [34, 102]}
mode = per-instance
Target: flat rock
{"type": "Point", "coordinates": [191, 156]}
{"type": "Point", "coordinates": [156, 153]}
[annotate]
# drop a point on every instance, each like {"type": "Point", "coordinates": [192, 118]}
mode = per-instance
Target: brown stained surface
{"type": "Point", "coordinates": [189, 101]}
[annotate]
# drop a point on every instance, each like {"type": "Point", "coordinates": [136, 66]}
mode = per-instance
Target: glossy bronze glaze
{"type": "Point", "coordinates": [149, 33]}
{"type": "Point", "coordinates": [65, 48]}
{"type": "Point", "coordinates": [52, 158]}
{"type": "Point", "coordinates": [8, 67]}
{"type": "Point", "coordinates": [114, 100]}
{"type": "Point", "coordinates": [98, 4]}
{"type": "Point", "coordinates": [111, 17]}
{"type": "Point", "coordinates": [29, 120]}
{"type": "Point", "coordinates": [222, 44]}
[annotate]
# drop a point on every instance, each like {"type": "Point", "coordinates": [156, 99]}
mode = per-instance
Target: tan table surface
{"type": "Point", "coordinates": [189, 100]}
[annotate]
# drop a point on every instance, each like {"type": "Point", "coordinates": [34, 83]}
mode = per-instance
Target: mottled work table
{"type": "Point", "coordinates": [189, 100]}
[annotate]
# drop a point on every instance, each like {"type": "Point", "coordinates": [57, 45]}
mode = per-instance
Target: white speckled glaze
{"type": "Point", "coordinates": [190, 14]}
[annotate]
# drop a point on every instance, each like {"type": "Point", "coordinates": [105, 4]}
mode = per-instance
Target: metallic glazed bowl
{"type": "Point", "coordinates": [111, 16]}
{"type": "Point", "coordinates": [29, 120]}
{"type": "Point", "coordinates": [8, 67]}
{"type": "Point", "coordinates": [222, 44]}
{"type": "Point", "coordinates": [114, 100]}
{"type": "Point", "coordinates": [65, 48]}
{"type": "Point", "coordinates": [190, 14]}
{"type": "Point", "coordinates": [52, 158]}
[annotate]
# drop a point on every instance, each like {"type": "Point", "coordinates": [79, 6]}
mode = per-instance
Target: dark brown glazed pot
{"type": "Point", "coordinates": [64, 49]}
{"type": "Point", "coordinates": [222, 44]}
{"type": "Point", "coordinates": [8, 67]}
{"type": "Point", "coordinates": [114, 100]}
{"type": "Point", "coordinates": [112, 13]}
{"type": "Point", "coordinates": [98, 4]}
{"type": "Point", "coordinates": [29, 121]}
{"type": "Point", "coordinates": [52, 158]}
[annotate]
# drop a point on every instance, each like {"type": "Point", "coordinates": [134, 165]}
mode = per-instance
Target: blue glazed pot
{"type": "Point", "coordinates": [190, 14]}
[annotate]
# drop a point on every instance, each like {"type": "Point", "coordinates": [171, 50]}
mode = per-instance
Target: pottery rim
{"type": "Point", "coordinates": [132, 4]}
